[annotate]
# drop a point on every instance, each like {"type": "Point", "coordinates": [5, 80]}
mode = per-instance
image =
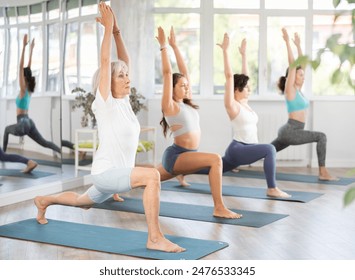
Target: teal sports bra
{"type": "Point", "coordinates": [299, 103]}
{"type": "Point", "coordinates": [24, 102]}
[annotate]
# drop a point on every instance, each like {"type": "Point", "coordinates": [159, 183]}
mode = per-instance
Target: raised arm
{"type": "Point", "coordinates": [21, 75]}
{"type": "Point", "coordinates": [230, 104]}
{"type": "Point", "coordinates": [106, 20]}
{"type": "Point", "coordinates": [121, 49]}
{"type": "Point", "coordinates": [243, 52]}
{"type": "Point", "coordinates": [31, 52]}
{"type": "Point", "coordinates": [290, 90]}
{"type": "Point", "coordinates": [167, 101]}
{"type": "Point", "coordinates": [179, 59]}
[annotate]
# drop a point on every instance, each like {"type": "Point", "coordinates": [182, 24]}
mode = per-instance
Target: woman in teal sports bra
{"type": "Point", "coordinates": [293, 132]}
{"type": "Point", "coordinates": [25, 125]}
{"type": "Point", "coordinates": [181, 117]}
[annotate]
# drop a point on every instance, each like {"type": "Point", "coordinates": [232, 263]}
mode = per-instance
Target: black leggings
{"type": "Point", "coordinates": [26, 126]}
{"type": "Point", "coordinates": [12, 157]}
{"type": "Point", "coordinates": [293, 133]}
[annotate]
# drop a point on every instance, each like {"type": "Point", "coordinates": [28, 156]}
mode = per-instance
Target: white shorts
{"type": "Point", "coordinates": [115, 180]}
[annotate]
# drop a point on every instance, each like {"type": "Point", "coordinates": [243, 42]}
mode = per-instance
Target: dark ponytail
{"type": "Point", "coordinates": [282, 80]}
{"type": "Point", "coordinates": [30, 80]}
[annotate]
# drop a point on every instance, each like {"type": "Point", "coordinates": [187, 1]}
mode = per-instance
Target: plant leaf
{"type": "Point", "coordinates": [349, 196]}
{"type": "Point", "coordinates": [336, 3]}
{"type": "Point", "coordinates": [337, 77]}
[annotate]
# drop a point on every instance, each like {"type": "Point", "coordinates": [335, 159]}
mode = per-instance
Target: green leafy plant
{"type": "Point", "coordinates": [345, 52]}
{"type": "Point", "coordinates": [84, 100]}
{"type": "Point", "coordinates": [135, 100]}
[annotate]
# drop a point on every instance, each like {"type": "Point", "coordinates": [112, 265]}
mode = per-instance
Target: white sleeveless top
{"type": "Point", "coordinates": [244, 126]}
{"type": "Point", "coordinates": [119, 130]}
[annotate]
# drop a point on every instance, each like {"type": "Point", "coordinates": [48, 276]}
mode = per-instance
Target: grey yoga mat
{"type": "Point", "coordinates": [106, 239]}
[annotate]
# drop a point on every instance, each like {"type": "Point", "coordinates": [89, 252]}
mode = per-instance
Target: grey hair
{"type": "Point", "coordinates": [116, 67]}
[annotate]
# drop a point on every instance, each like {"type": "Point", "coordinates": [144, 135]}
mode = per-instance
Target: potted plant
{"type": "Point", "coordinates": [84, 100]}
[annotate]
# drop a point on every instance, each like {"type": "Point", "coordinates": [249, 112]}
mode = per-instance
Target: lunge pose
{"type": "Point", "coordinates": [293, 132]}
{"type": "Point", "coordinates": [181, 117]}
{"type": "Point", "coordinates": [25, 125]}
{"type": "Point", "coordinates": [113, 168]}
{"type": "Point", "coordinates": [244, 148]}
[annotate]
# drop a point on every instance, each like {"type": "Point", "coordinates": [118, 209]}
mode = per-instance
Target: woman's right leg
{"type": "Point", "coordinates": [190, 162]}
{"type": "Point", "coordinates": [150, 178]}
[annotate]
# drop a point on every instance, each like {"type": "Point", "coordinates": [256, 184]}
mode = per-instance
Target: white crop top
{"type": "Point", "coordinates": [119, 130]}
{"type": "Point", "coordinates": [244, 126]}
{"type": "Point", "coordinates": [188, 119]}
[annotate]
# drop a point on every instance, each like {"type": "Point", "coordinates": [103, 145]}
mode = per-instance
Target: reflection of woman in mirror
{"type": "Point", "coordinates": [25, 125]}
{"type": "Point", "coordinates": [17, 158]}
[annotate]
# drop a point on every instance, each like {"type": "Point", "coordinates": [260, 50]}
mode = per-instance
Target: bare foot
{"type": "Point", "coordinates": [117, 197]}
{"type": "Point", "coordinates": [182, 182]}
{"type": "Point", "coordinates": [165, 245]}
{"type": "Point", "coordinates": [226, 213]}
{"type": "Point", "coordinates": [276, 192]}
{"type": "Point", "coordinates": [41, 210]}
{"type": "Point", "coordinates": [328, 177]}
{"type": "Point", "coordinates": [325, 176]}
{"type": "Point", "coordinates": [31, 164]}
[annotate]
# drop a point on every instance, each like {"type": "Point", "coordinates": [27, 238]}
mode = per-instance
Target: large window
{"type": "Point", "coordinates": [66, 44]}
{"type": "Point", "coordinates": [323, 27]}
{"type": "Point", "coordinates": [238, 27]}
{"type": "Point", "coordinates": [53, 57]}
{"type": "Point", "coordinates": [277, 61]}
{"type": "Point", "coordinates": [187, 32]}
{"type": "Point", "coordinates": [260, 22]}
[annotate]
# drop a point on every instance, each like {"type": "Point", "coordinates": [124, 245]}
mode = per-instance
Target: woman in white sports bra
{"type": "Point", "coordinates": [293, 132]}
{"type": "Point", "coordinates": [181, 117]}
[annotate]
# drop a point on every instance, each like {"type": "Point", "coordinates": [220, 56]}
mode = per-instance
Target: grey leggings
{"type": "Point", "coordinates": [293, 133]}
{"type": "Point", "coordinates": [26, 126]}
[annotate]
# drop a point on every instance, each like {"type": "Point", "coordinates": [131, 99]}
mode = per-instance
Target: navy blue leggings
{"type": "Point", "coordinates": [12, 157]}
{"type": "Point", "coordinates": [26, 126]}
{"type": "Point", "coordinates": [239, 153]}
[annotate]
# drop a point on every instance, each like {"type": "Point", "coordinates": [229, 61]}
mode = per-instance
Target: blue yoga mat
{"type": "Point", "coordinates": [69, 161]}
{"type": "Point", "coordinates": [303, 178]}
{"type": "Point", "coordinates": [106, 239]}
{"type": "Point", "coordinates": [239, 191]}
{"type": "Point", "coordinates": [193, 212]}
{"type": "Point", "coordinates": [35, 174]}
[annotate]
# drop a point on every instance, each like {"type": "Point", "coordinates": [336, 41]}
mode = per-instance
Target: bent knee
{"type": "Point", "coordinates": [153, 175]}
{"type": "Point", "coordinates": [216, 160]}
{"type": "Point", "coordinates": [322, 137]}
{"type": "Point", "coordinates": [271, 149]}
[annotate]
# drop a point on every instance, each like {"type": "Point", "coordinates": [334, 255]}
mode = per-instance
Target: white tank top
{"type": "Point", "coordinates": [244, 126]}
{"type": "Point", "coordinates": [119, 130]}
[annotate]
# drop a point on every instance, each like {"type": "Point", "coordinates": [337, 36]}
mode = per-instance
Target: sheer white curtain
{"type": "Point", "coordinates": [136, 21]}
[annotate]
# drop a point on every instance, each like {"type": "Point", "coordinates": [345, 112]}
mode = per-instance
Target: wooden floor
{"type": "Point", "coordinates": [321, 229]}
